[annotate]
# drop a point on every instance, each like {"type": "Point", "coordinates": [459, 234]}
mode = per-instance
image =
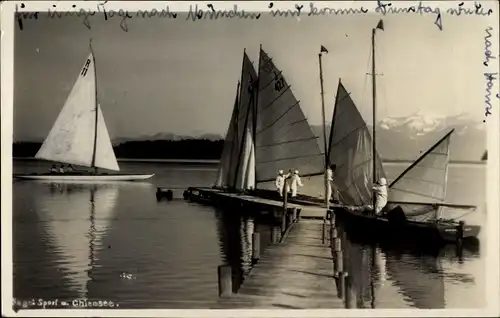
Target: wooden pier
{"type": "Point", "coordinates": [227, 199]}
{"type": "Point", "coordinates": [298, 273]}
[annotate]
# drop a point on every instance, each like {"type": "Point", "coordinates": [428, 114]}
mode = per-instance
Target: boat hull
{"type": "Point", "coordinates": [85, 177]}
{"type": "Point", "coordinates": [435, 233]}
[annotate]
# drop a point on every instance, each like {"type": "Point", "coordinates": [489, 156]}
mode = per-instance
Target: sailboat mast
{"type": "Point", "coordinates": [322, 105]}
{"type": "Point", "coordinates": [256, 86]}
{"type": "Point", "coordinates": [323, 122]}
{"type": "Point", "coordinates": [92, 165]}
{"type": "Point", "coordinates": [374, 110]}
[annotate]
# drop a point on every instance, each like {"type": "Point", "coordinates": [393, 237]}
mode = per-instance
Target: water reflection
{"type": "Point", "coordinates": [389, 275]}
{"type": "Point", "coordinates": [235, 238]}
{"type": "Point", "coordinates": [63, 214]}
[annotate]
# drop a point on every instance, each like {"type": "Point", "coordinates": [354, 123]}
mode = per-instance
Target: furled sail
{"type": "Point", "coordinates": [247, 94]}
{"type": "Point", "coordinates": [229, 157]}
{"type": "Point", "coordinates": [423, 182]}
{"type": "Point", "coordinates": [71, 139]}
{"type": "Point", "coordinates": [350, 149]}
{"type": "Point", "coordinates": [245, 171]}
{"type": "Point", "coordinates": [246, 176]}
{"type": "Point", "coordinates": [284, 140]}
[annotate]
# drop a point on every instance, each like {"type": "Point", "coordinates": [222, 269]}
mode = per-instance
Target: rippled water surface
{"type": "Point", "coordinates": [116, 242]}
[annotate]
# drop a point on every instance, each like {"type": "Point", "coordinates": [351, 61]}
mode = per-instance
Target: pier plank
{"type": "Point", "coordinates": [296, 274]}
{"type": "Point", "coordinates": [306, 211]}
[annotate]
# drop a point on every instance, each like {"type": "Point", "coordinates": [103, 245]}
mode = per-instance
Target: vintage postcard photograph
{"type": "Point", "coordinates": [216, 158]}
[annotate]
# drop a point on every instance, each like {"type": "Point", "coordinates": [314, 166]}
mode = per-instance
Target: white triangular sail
{"type": "Point", "coordinates": [236, 166]}
{"type": "Point", "coordinates": [229, 157]}
{"type": "Point", "coordinates": [245, 172]}
{"type": "Point", "coordinates": [424, 181]}
{"type": "Point", "coordinates": [71, 139]}
{"type": "Point", "coordinates": [284, 140]}
{"type": "Point", "coordinates": [246, 176]}
{"type": "Point", "coordinates": [350, 148]}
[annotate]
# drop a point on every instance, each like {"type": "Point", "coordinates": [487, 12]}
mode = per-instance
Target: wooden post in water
{"type": "Point", "coordinates": [459, 238]}
{"type": "Point", "coordinates": [340, 284]}
{"type": "Point", "coordinates": [339, 259]}
{"type": "Point", "coordinates": [275, 235]}
{"type": "Point", "coordinates": [294, 213]}
{"type": "Point", "coordinates": [349, 295]}
{"type": "Point", "coordinates": [255, 246]}
{"type": "Point", "coordinates": [333, 235]}
{"type": "Point", "coordinates": [285, 207]}
{"type": "Point", "coordinates": [225, 281]}
{"type": "Point", "coordinates": [290, 218]}
{"type": "Point", "coordinates": [323, 232]}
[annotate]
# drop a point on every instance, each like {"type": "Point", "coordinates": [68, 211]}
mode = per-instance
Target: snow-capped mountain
{"type": "Point", "coordinates": [405, 138]}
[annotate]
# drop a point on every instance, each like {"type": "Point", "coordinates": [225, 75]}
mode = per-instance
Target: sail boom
{"type": "Point", "coordinates": [437, 204]}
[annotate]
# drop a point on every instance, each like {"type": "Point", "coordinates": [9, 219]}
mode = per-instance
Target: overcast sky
{"type": "Point", "coordinates": [179, 76]}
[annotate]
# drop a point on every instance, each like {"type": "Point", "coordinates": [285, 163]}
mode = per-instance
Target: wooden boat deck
{"type": "Point", "coordinates": [296, 274]}
{"type": "Point", "coordinates": [306, 211]}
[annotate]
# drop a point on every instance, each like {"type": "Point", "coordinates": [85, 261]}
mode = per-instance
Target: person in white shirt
{"type": "Point", "coordinates": [330, 182]}
{"type": "Point", "coordinates": [280, 182]}
{"type": "Point", "coordinates": [380, 192]}
{"type": "Point", "coordinates": [295, 182]}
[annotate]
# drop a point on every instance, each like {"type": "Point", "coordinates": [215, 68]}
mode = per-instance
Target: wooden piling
{"type": "Point", "coordinates": [333, 235]}
{"type": "Point", "coordinates": [275, 235]}
{"type": "Point", "coordinates": [225, 281]}
{"type": "Point", "coordinates": [283, 222]}
{"type": "Point", "coordinates": [290, 218]}
{"type": "Point", "coordinates": [323, 232]}
{"type": "Point", "coordinates": [285, 208]}
{"type": "Point", "coordinates": [459, 238]}
{"type": "Point", "coordinates": [349, 295]}
{"type": "Point", "coordinates": [340, 284]}
{"type": "Point", "coordinates": [460, 231]}
{"type": "Point", "coordinates": [338, 244]}
{"type": "Point", "coordinates": [294, 214]}
{"type": "Point", "coordinates": [256, 246]}
{"type": "Point", "coordinates": [339, 262]}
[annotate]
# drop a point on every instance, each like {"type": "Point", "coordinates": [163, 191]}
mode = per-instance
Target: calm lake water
{"type": "Point", "coordinates": [115, 242]}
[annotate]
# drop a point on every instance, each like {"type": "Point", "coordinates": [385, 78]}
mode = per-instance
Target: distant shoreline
{"type": "Point", "coordinates": [215, 161]}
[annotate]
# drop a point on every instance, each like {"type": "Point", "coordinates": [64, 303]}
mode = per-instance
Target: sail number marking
{"type": "Point", "coordinates": [279, 83]}
{"type": "Point", "coordinates": [85, 68]}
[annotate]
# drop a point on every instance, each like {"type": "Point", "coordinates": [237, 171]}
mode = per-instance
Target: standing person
{"type": "Point", "coordinates": [280, 182]}
{"type": "Point", "coordinates": [330, 186]}
{"type": "Point", "coordinates": [70, 169]}
{"type": "Point", "coordinates": [295, 182]}
{"type": "Point", "coordinates": [61, 169]}
{"type": "Point", "coordinates": [380, 193]}
{"type": "Point", "coordinates": [53, 169]}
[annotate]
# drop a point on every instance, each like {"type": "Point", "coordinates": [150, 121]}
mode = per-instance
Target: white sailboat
{"type": "Point", "coordinates": [237, 166]}
{"type": "Point", "coordinates": [273, 134]}
{"type": "Point", "coordinates": [80, 137]}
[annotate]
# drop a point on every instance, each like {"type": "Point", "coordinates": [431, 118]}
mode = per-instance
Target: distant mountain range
{"type": "Point", "coordinates": [405, 138]}
{"type": "Point", "coordinates": [402, 138]}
